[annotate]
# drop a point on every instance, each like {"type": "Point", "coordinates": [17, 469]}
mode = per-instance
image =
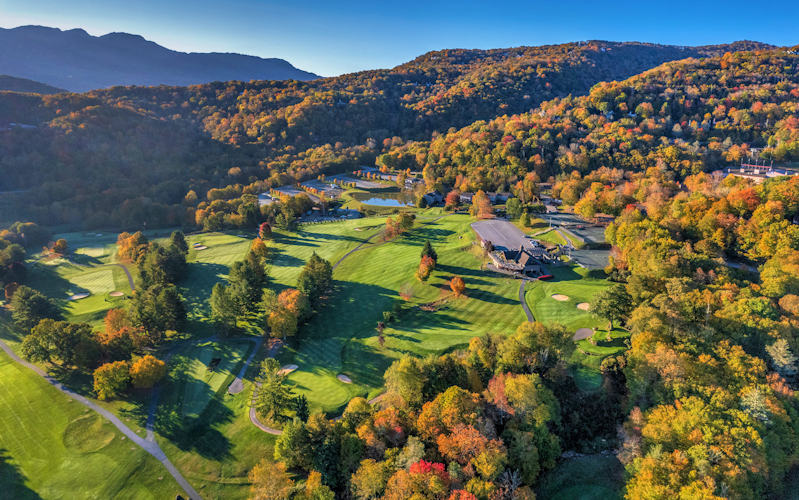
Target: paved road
{"type": "Point", "coordinates": [149, 446]}
{"type": "Point", "coordinates": [523, 300]}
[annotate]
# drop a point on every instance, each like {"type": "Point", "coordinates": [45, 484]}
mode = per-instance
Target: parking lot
{"type": "Point", "coordinates": [590, 233]}
{"type": "Point", "coordinates": [501, 233]}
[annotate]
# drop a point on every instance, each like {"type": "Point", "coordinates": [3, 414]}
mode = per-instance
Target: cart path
{"type": "Point", "coordinates": [149, 446]}
{"type": "Point", "coordinates": [523, 300]}
{"type": "Point", "coordinates": [127, 273]}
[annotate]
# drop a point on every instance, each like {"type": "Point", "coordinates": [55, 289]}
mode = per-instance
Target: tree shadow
{"type": "Point", "coordinates": [13, 481]}
{"type": "Point", "coordinates": [196, 287]}
{"type": "Point", "coordinates": [193, 432]}
{"type": "Point", "coordinates": [82, 259]}
{"type": "Point", "coordinates": [295, 241]}
{"type": "Point", "coordinates": [45, 279]}
{"type": "Point", "coordinates": [282, 259]}
{"type": "Point", "coordinates": [326, 236]}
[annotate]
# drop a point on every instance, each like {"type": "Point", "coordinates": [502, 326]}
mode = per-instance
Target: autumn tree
{"type": "Point", "coordinates": [426, 267]}
{"type": "Point", "coordinates": [452, 200]}
{"type": "Point", "coordinates": [60, 246]}
{"type": "Point", "coordinates": [111, 379]}
{"type": "Point", "coordinates": [457, 285]}
{"type": "Point", "coordinates": [265, 231]}
{"type": "Point", "coordinates": [270, 481]}
{"type": "Point", "coordinates": [429, 251]}
{"type": "Point", "coordinates": [131, 246]}
{"type": "Point", "coordinates": [146, 371]}
{"type": "Point", "coordinates": [481, 206]}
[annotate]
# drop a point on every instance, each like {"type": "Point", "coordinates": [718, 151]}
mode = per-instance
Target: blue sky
{"type": "Point", "coordinates": [335, 37]}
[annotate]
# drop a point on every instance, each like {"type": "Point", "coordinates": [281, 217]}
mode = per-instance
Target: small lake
{"type": "Point", "coordinates": [395, 199]}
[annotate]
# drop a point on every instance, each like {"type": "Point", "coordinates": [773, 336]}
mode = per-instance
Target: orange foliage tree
{"type": "Point", "coordinates": [146, 371]}
{"type": "Point", "coordinates": [457, 285]}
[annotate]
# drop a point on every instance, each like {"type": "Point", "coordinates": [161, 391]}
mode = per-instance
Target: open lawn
{"type": "Point", "coordinates": [572, 282]}
{"type": "Point", "coordinates": [206, 268]}
{"type": "Point", "coordinates": [199, 371]}
{"type": "Point", "coordinates": [90, 266]}
{"type": "Point", "coordinates": [342, 337]}
{"type": "Point", "coordinates": [205, 431]}
{"type": "Point", "coordinates": [551, 236]}
{"type": "Point", "coordinates": [592, 477]}
{"type": "Point", "coordinates": [53, 447]}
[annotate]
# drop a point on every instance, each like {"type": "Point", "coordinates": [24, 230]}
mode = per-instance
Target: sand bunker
{"type": "Point", "coordinates": [201, 247]}
{"type": "Point", "coordinates": [78, 296]}
{"type": "Point", "coordinates": [584, 306]}
{"type": "Point", "coordinates": [560, 297]}
{"type": "Point", "coordinates": [286, 369]}
{"type": "Point", "coordinates": [583, 333]}
{"type": "Point", "coordinates": [117, 294]}
{"type": "Point", "coordinates": [344, 378]}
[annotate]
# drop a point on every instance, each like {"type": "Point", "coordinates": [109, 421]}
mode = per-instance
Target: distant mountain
{"type": "Point", "coordinates": [15, 84]}
{"type": "Point", "coordinates": [77, 61]}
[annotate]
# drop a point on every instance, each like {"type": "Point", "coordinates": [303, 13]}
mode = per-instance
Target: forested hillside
{"type": "Point", "coordinates": [135, 152]}
{"type": "Point", "coordinates": [686, 116]}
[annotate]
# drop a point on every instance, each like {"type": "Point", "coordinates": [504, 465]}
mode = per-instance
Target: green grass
{"type": "Point", "coordinates": [205, 431]}
{"type": "Point", "coordinates": [551, 236]}
{"type": "Point", "coordinates": [53, 447]}
{"type": "Point", "coordinates": [342, 337]}
{"type": "Point", "coordinates": [192, 383]}
{"type": "Point", "coordinates": [205, 269]}
{"type": "Point", "coordinates": [572, 282]}
{"type": "Point", "coordinates": [593, 477]}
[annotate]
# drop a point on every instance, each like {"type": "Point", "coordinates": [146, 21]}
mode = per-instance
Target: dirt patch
{"type": "Point", "coordinates": [344, 378]}
{"type": "Point", "coordinates": [117, 294]}
{"type": "Point", "coordinates": [583, 333]}
{"type": "Point", "coordinates": [286, 369]}
{"type": "Point", "coordinates": [584, 306]}
{"type": "Point", "coordinates": [560, 297]}
{"type": "Point", "coordinates": [78, 296]}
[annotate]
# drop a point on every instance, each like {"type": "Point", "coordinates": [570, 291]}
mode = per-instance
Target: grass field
{"type": "Point", "coordinates": [90, 266]}
{"type": "Point", "coordinates": [194, 380]}
{"type": "Point", "coordinates": [342, 337]}
{"type": "Point", "coordinates": [205, 431]}
{"type": "Point", "coordinates": [205, 269]}
{"type": "Point", "coordinates": [593, 477]}
{"type": "Point", "coordinates": [573, 282]}
{"type": "Point", "coordinates": [53, 447]}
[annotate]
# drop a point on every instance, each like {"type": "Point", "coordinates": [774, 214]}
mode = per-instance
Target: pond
{"type": "Point", "coordinates": [396, 199]}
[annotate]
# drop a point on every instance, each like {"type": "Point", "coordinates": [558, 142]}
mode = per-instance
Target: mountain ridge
{"type": "Point", "coordinates": [79, 62]}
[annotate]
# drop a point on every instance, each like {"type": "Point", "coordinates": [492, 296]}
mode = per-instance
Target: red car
{"type": "Point", "coordinates": [545, 277]}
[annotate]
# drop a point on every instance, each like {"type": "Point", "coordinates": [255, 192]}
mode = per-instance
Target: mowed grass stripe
{"type": "Point", "coordinates": [342, 337]}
